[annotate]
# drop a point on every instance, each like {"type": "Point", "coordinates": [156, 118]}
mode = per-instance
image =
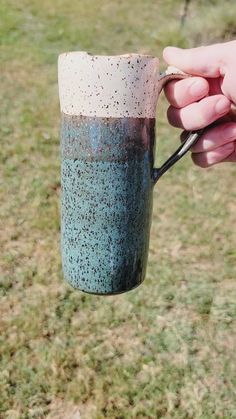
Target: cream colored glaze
{"type": "Point", "coordinates": [108, 86]}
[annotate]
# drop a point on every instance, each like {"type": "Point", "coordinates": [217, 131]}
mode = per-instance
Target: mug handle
{"type": "Point", "coordinates": [192, 137]}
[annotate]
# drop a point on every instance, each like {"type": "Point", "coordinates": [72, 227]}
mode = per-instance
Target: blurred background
{"type": "Point", "coordinates": [166, 349]}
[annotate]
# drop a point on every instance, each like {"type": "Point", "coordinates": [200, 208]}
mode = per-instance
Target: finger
{"type": "Point", "coordinates": [215, 137]}
{"type": "Point", "coordinates": [181, 93]}
{"type": "Point", "coordinates": [199, 114]}
{"type": "Point", "coordinates": [204, 61]}
{"type": "Point", "coordinates": [209, 158]}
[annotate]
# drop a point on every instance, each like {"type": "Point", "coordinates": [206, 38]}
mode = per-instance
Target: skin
{"type": "Point", "coordinates": [207, 99]}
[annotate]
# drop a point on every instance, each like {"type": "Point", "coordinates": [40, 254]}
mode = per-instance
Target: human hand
{"type": "Point", "coordinates": [207, 98]}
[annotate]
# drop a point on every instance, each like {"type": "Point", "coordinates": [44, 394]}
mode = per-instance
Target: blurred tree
{"type": "Point", "coordinates": [185, 12]}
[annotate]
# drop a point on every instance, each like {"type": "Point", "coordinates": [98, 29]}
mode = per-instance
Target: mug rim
{"type": "Point", "coordinates": [125, 56]}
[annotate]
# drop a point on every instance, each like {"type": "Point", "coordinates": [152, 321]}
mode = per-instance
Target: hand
{"type": "Point", "coordinates": [207, 98]}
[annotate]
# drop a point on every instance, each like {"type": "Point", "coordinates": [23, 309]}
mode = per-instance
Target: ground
{"type": "Point", "coordinates": [166, 349]}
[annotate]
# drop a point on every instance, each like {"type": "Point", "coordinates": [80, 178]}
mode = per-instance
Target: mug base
{"type": "Point", "coordinates": [108, 293]}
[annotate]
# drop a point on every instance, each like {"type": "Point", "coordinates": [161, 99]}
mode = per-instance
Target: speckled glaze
{"type": "Point", "coordinates": [108, 109]}
{"type": "Point", "coordinates": [103, 86]}
{"type": "Point", "coordinates": [106, 201]}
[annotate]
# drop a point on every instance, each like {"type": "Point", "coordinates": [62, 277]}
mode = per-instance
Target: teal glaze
{"type": "Point", "coordinates": [106, 201]}
{"type": "Point", "coordinates": [105, 240]}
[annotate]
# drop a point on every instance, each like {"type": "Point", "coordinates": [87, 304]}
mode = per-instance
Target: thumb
{"type": "Point", "coordinates": [202, 61]}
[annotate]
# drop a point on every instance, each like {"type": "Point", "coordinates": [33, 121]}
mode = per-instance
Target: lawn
{"type": "Point", "coordinates": [166, 349]}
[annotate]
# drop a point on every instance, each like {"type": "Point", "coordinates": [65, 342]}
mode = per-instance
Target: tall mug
{"type": "Point", "coordinates": [108, 111]}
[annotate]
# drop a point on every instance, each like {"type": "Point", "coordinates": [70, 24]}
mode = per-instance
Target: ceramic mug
{"type": "Point", "coordinates": [108, 111]}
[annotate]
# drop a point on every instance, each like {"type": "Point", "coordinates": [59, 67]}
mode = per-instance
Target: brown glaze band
{"type": "Point", "coordinates": [109, 139]}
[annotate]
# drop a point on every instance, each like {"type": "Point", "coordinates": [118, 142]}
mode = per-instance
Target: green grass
{"type": "Point", "coordinates": [166, 349]}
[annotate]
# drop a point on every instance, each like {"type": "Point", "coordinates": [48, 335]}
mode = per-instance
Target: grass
{"type": "Point", "coordinates": [165, 350]}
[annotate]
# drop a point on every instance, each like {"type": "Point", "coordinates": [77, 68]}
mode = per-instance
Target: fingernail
{"type": "Point", "coordinates": [198, 88]}
{"type": "Point", "coordinates": [219, 153]}
{"type": "Point", "coordinates": [222, 106]}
